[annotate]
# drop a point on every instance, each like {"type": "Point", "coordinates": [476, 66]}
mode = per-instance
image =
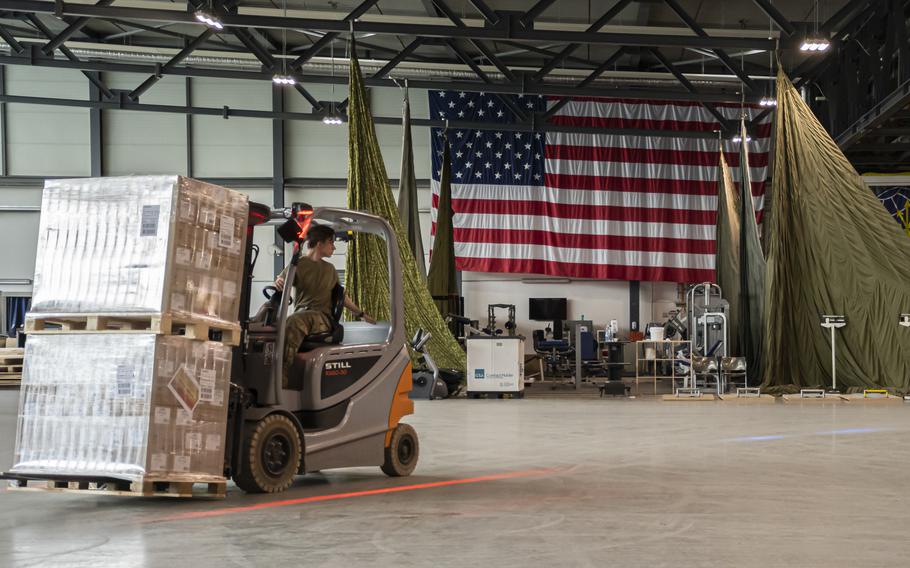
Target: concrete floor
{"type": "Point", "coordinates": [584, 483]}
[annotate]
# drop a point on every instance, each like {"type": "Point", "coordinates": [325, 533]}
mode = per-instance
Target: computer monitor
{"type": "Point", "coordinates": [547, 309]}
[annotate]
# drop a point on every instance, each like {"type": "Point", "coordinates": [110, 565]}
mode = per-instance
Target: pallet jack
{"type": "Point", "coordinates": [347, 389]}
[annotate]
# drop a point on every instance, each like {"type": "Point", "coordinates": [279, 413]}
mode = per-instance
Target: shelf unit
{"type": "Point", "coordinates": [648, 368]}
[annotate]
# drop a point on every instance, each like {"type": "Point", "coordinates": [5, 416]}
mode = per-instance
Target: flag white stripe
{"type": "Point", "coordinates": [706, 145]}
{"type": "Point", "coordinates": [583, 197]}
{"type": "Point", "coordinates": [586, 256]}
{"type": "Point", "coordinates": [585, 226]}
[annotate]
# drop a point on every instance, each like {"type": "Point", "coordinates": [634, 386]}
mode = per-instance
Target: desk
{"type": "Point", "coordinates": [664, 354]}
{"type": "Point", "coordinates": [612, 354]}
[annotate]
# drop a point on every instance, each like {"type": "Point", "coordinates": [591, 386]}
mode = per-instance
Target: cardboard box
{"type": "Point", "coordinates": [140, 244]}
{"type": "Point", "coordinates": [127, 406]}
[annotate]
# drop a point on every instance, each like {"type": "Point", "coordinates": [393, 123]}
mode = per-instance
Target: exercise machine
{"type": "Point", "coordinates": [431, 382]}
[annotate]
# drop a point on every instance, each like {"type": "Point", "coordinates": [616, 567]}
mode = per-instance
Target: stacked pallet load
{"type": "Point", "coordinates": [11, 366]}
{"type": "Point", "coordinates": [128, 359]}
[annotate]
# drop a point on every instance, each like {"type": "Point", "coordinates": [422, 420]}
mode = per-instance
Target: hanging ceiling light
{"type": "Point", "coordinates": [737, 139]}
{"type": "Point", "coordinates": [284, 80]}
{"type": "Point", "coordinates": [815, 44]}
{"type": "Point", "coordinates": [332, 116]}
{"type": "Point", "coordinates": [767, 102]}
{"type": "Point", "coordinates": [209, 20]}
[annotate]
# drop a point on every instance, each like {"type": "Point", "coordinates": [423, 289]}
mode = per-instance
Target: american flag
{"type": "Point", "coordinates": [588, 205]}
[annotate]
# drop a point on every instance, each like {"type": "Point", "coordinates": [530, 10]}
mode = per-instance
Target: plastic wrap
{"type": "Point", "coordinates": [127, 406]}
{"type": "Point", "coordinates": [140, 244]}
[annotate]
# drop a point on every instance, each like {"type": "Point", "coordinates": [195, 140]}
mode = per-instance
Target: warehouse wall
{"type": "Point", "coordinates": [54, 141]}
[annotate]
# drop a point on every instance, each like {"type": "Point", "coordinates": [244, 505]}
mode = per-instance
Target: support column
{"type": "Point", "coordinates": [95, 136]}
{"type": "Point", "coordinates": [4, 151]}
{"type": "Point", "coordinates": [634, 305]}
{"type": "Point", "coordinates": [278, 173]}
{"type": "Point", "coordinates": [189, 127]}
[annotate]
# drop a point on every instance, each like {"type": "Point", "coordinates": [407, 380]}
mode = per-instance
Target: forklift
{"type": "Point", "coordinates": [347, 389]}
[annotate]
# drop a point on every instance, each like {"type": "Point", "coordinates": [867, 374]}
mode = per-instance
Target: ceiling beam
{"type": "Point", "coordinates": [227, 112]}
{"type": "Point", "coordinates": [10, 40]}
{"type": "Point", "coordinates": [426, 30]}
{"type": "Point", "coordinates": [70, 30]}
{"type": "Point", "coordinates": [402, 55]}
{"type": "Point", "coordinates": [782, 22]}
{"type": "Point", "coordinates": [593, 28]}
{"type": "Point", "coordinates": [96, 81]}
{"type": "Point", "coordinates": [689, 87]}
{"type": "Point", "coordinates": [536, 10]}
{"type": "Point", "coordinates": [262, 54]}
{"type": "Point", "coordinates": [488, 14]}
{"type": "Point", "coordinates": [154, 78]}
{"type": "Point", "coordinates": [721, 54]}
{"type": "Point", "coordinates": [527, 88]}
{"type": "Point", "coordinates": [587, 80]}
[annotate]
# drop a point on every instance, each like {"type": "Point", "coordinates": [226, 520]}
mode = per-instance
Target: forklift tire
{"type": "Point", "coordinates": [402, 453]}
{"type": "Point", "coordinates": [271, 455]}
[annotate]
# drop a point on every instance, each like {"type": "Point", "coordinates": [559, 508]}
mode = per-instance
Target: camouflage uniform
{"type": "Point", "coordinates": [313, 284]}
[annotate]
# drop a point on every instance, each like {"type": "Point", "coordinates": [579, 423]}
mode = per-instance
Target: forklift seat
{"type": "Point", "coordinates": [335, 335]}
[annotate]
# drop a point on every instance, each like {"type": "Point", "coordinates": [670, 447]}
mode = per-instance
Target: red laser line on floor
{"type": "Point", "coordinates": [365, 493]}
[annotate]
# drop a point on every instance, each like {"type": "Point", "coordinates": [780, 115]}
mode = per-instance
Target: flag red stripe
{"type": "Point", "coordinates": [577, 270]}
{"type": "Point", "coordinates": [649, 156]}
{"type": "Point", "coordinates": [577, 241]}
{"type": "Point", "coordinates": [672, 186]}
{"type": "Point", "coordinates": [761, 131]}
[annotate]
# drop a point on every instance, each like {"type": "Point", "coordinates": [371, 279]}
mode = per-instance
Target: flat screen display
{"type": "Point", "coordinates": [547, 309]}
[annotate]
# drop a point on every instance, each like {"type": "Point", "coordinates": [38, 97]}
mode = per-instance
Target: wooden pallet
{"type": "Point", "coordinates": [164, 324]}
{"type": "Point", "coordinates": [11, 356]}
{"type": "Point", "coordinates": [761, 399]}
{"type": "Point", "coordinates": [858, 398]}
{"type": "Point", "coordinates": [828, 399]}
{"type": "Point", "coordinates": [210, 488]}
{"type": "Point", "coordinates": [10, 379]}
{"type": "Point", "coordinates": [11, 369]}
{"type": "Point", "coordinates": [705, 397]}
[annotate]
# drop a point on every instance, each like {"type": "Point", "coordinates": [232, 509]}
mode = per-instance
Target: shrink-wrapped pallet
{"type": "Point", "coordinates": [129, 406]}
{"type": "Point", "coordinates": [140, 244]}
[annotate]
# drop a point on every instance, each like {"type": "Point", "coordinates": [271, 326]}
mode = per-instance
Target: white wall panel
{"type": "Point", "coordinates": [236, 147]}
{"type": "Point", "coordinates": [46, 140]}
{"type": "Point", "coordinates": [145, 142]}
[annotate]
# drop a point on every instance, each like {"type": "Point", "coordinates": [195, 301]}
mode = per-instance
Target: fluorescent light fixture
{"type": "Point", "coordinates": [767, 102]}
{"type": "Point", "coordinates": [332, 116]}
{"type": "Point", "coordinates": [815, 44]}
{"type": "Point", "coordinates": [332, 119]}
{"type": "Point", "coordinates": [737, 139]}
{"type": "Point", "coordinates": [209, 20]}
{"type": "Point", "coordinates": [284, 80]}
